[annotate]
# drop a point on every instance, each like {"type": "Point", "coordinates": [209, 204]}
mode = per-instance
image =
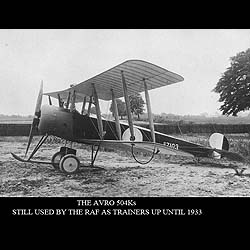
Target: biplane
{"type": "Point", "coordinates": [121, 81]}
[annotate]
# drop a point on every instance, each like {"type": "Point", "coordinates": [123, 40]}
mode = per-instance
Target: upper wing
{"type": "Point", "coordinates": [134, 71]}
{"type": "Point", "coordinates": [139, 146]}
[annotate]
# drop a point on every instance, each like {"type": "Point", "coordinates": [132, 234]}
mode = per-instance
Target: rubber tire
{"type": "Point", "coordinates": [65, 165]}
{"type": "Point", "coordinates": [56, 164]}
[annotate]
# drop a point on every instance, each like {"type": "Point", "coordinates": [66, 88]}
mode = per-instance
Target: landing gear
{"type": "Point", "coordinates": [94, 154]}
{"type": "Point", "coordinates": [56, 159]}
{"type": "Point", "coordinates": [58, 156]}
{"type": "Point", "coordinates": [64, 160]}
{"type": "Point", "coordinates": [69, 164]}
{"type": "Point", "coordinates": [66, 164]}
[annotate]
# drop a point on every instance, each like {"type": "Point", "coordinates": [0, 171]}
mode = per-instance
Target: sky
{"type": "Point", "coordinates": [69, 56]}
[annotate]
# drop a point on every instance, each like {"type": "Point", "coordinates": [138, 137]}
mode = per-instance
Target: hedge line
{"type": "Point", "coordinates": [23, 129]}
{"type": "Point", "coordinates": [15, 129]}
{"type": "Point", "coordinates": [202, 128]}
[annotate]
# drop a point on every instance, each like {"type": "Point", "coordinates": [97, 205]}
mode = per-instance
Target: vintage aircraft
{"type": "Point", "coordinates": [127, 78]}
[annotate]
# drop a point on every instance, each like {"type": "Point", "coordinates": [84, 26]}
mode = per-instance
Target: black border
{"type": "Point", "coordinates": [148, 15]}
{"type": "Point", "coordinates": [212, 208]}
{"type": "Point", "coordinates": [127, 15]}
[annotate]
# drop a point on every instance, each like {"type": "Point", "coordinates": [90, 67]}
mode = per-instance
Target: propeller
{"type": "Point", "coordinates": [37, 116]}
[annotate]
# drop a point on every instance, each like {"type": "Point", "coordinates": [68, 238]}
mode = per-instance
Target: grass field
{"type": "Point", "coordinates": [120, 174]}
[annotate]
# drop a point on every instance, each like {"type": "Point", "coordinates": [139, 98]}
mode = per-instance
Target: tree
{"type": "Point", "coordinates": [136, 104]}
{"type": "Point", "coordinates": [121, 108]}
{"type": "Point", "coordinates": [234, 85]}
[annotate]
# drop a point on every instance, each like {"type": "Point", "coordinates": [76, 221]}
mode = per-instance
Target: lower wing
{"type": "Point", "coordinates": [138, 146]}
{"type": "Point", "coordinates": [149, 147]}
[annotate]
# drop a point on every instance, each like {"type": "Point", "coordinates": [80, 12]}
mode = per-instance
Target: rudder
{"type": "Point", "coordinates": [218, 141]}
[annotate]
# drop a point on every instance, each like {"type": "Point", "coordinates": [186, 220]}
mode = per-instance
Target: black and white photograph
{"type": "Point", "coordinates": [125, 113]}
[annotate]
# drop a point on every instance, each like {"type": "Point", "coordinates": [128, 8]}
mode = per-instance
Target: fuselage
{"type": "Point", "coordinates": [73, 126]}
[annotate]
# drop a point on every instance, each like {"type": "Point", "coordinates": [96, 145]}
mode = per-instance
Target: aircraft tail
{"type": "Point", "coordinates": [220, 142]}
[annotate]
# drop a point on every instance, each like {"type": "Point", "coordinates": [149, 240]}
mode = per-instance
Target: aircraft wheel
{"type": "Point", "coordinates": [56, 159]}
{"type": "Point", "coordinates": [69, 164]}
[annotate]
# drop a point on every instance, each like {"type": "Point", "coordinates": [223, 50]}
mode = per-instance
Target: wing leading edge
{"type": "Point", "coordinates": [134, 71]}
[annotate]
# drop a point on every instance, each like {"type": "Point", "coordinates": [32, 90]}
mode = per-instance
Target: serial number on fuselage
{"type": "Point", "coordinates": [171, 145]}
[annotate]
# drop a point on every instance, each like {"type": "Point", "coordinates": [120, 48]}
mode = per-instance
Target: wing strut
{"type": "Point", "coordinates": [59, 100]}
{"type": "Point", "coordinates": [68, 100]}
{"type": "Point", "coordinates": [50, 102]}
{"type": "Point", "coordinates": [73, 101]}
{"type": "Point", "coordinates": [98, 112]}
{"type": "Point", "coordinates": [130, 121]}
{"type": "Point", "coordinates": [150, 116]}
{"type": "Point", "coordinates": [90, 103]}
{"type": "Point", "coordinates": [117, 122]}
{"type": "Point", "coordinates": [84, 104]}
